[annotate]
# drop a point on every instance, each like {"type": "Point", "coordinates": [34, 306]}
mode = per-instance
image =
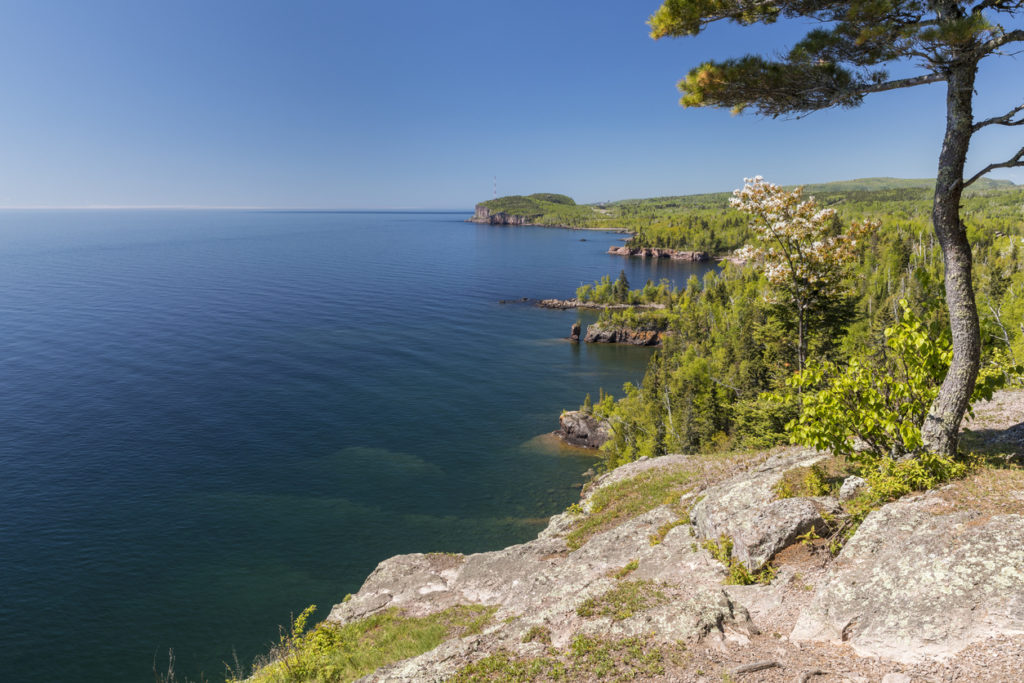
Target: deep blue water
{"type": "Point", "coordinates": [209, 420]}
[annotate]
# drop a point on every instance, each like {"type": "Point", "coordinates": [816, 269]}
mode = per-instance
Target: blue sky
{"type": "Point", "coordinates": [359, 104]}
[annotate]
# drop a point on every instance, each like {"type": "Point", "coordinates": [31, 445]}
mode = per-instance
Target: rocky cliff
{"type": "Point", "coordinates": [639, 580]}
{"type": "Point", "coordinates": [482, 214]}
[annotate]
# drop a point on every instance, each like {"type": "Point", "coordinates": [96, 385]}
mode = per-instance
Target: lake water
{"type": "Point", "coordinates": [212, 419]}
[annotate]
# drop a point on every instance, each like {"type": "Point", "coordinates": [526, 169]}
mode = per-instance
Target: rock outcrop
{"type": "Point", "coordinates": [746, 509]}
{"type": "Point", "coordinates": [565, 304]}
{"type": "Point", "coordinates": [542, 584]}
{"type": "Point", "coordinates": [574, 333]}
{"type": "Point", "coordinates": [483, 215]}
{"type": "Point", "coordinates": [930, 587]}
{"type": "Point", "coordinates": [653, 252]}
{"type": "Point", "coordinates": [918, 580]}
{"type": "Point", "coordinates": [583, 429]}
{"type": "Point", "coordinates": [599, 333]}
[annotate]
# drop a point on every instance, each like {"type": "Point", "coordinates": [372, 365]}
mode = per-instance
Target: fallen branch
{"type": "Point", "coordinates": [756, 666]}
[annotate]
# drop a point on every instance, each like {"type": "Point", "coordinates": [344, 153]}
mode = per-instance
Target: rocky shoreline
{"type": "Point", "coordinates": [652, 252]}
{"type": "Point", "coordinates": [566, 304]}
{"type": "Point", "coordinates": [929, 588]}
{"type": "Point", "coordinates": [484, 216]}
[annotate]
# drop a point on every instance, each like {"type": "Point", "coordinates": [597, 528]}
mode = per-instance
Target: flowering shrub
{"type": "Point", "coordinates": [800, 248]}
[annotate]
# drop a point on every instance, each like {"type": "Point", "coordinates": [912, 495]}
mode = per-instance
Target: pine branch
{"type": "Point", "coordinates": [902, 83]}
{"type": "Point", "coordinates": [1004, 120]}
{"type": "Point", "coordinates": [1016, 161]}
{"type": "Point", "coordinates": [990, 46]}
{"type": "Point", "coordinates": [997, 5]}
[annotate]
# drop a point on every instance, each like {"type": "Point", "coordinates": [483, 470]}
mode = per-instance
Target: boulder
{"type": "Point", "coordinates": [583, 429]}
{"type": "Point", "coordinates": [745, 509]}
{"type": "Point", "coordinates": [917, 581]}
{"type": "Point", "coordinates": [574, 333]}
{"type": "Point", "coordinates": [851, 487]}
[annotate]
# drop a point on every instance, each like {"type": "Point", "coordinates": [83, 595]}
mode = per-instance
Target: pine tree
{"type": "Point", "coordinates": [846, 59]}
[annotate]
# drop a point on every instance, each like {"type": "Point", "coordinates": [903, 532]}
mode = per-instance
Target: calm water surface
{"type": "Point", "coordinates": [211, 420]}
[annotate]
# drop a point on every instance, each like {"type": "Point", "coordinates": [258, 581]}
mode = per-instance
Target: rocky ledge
{"type": "Point", "coordinates": [929, 588]}
{"type": "Point", "coordinates": [652, 252]}
{"type": "Point", "coordinates": [600, 333]}
{"type": "Point", "coordinates": [565, 304]}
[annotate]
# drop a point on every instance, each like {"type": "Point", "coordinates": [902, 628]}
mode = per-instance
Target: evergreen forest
{"type": "Point", "coordinates": [874, 343]}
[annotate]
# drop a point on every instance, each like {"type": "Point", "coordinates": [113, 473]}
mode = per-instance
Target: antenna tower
{"type": "Point", "coordinates": [495, 187]}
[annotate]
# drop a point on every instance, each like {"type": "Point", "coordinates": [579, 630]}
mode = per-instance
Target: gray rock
{"type": "Point", "coordinates": [745, 509]}
{"type": "Point", "coordinates": [896, 678]}
{"type": "Point", "coordinates": [583, 429]}
{"type": "Point", "coordinates": [757, 537]}
{"type": "Point", "coordinates": [915, 583]}
{"type": "Point", "coordinates": [851, 487]}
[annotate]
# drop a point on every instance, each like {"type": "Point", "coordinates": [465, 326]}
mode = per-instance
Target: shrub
{"type": "Point", "coordinates": [882, 401]}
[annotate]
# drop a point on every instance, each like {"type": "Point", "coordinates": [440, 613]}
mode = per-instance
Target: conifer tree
{"type": "Point", "coordinates": [845, 59]}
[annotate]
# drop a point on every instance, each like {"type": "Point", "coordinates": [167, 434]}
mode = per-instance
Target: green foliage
{"type": "Point", "coordinates": [540, 634]}
{"type": "Point", "coordinates": [623, 601]}
{"type": "Point", "coordinates": [881, 400]}
{"type": "Point", "coordinates": [889, 479]}
{"type": "Point", "coordinates": [627, 569]}
{"type": "Point", "coordinates": [739, 575]}
{"type": "Point", "coordinates": [809, 481]}
{"type": "Point", "coordinates": [344, 653]}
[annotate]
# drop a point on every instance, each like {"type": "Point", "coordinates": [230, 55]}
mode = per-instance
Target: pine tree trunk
{"type": "Point", "coordinates": [941, 429]}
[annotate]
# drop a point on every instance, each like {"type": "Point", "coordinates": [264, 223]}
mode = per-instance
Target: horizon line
{"type": "Point", "coordinates": [196, 207]}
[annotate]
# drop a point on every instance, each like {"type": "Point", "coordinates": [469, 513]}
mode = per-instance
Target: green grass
{"type": "Point", "coordinates": [623, 601]}
{"type": "Point", "coordinates": [739, 575]}
{"type": "Point", "coordinates": [345, 653]}
{"type": "Point", "coordinates": [615, 503]}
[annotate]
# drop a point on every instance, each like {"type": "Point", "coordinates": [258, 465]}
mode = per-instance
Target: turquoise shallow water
{"type": "Point", "coordinates": [213, 419]}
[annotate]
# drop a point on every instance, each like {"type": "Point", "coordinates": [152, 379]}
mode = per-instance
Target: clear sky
{"type": "Point", "coordinates": [370, 104]}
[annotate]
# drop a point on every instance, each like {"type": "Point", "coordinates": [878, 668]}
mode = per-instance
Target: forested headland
{"type": "Point", "coordinates": [705, 222]}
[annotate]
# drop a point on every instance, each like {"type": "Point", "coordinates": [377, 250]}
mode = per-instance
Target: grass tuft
{"type": "Point", "coordinates": [615, 503]}
{"type": "Point", "coordinates": [345, 653]}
